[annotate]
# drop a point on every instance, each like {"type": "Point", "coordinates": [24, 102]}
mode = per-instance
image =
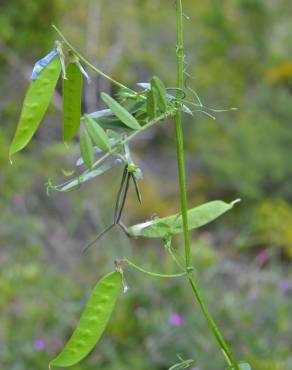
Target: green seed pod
{"type": "Point", "coordinates": [35, 104]}
{"type": "Point", "coordinates": [172, 225]}
{"type": "Point", "coordinates": [93, 321]}
{"type": "Point", "coordinates": [86, 147]}
{"type": "Point", "coordinates": [72, 94]}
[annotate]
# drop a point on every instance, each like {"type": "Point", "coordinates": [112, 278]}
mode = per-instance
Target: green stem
{"type": "Point", "coordinates": [154, 274]}
{"type": "Point", "coordinates": [183, 188]}
{"type": "Point", "coordinates": [220, 339]}
{"type": "Point", "coordinates": [86, 62]}
{"type": "Point", "coordinates": [179, 133]}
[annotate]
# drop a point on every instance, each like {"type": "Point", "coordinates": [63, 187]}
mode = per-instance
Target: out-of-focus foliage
{"type": "Point", "coordinates": [238, 55]}
{"type": "Point", "coordinates": [41, 305]}
{"type": "Point", "coordinates": [24, 24]}
{"type": "Point", "coordinates": [272, 224]}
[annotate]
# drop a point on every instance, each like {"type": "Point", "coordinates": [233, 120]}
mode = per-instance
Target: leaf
{"type": "Point", "coordinates": [112, 123]}
{"type": "Point", "coordinates": [113, 135]}
{"type": "Point", "coordinates": [159, 90]}
{"type": "Point", "coordinates": [93, 321]}
{"type": "Point", "coordinates": [184, 364]}
{"type": "Point", "coordinates": [198, 216]}
{"type": "Point", "coordinates": [144, 85]}
{"type": "Point", "coordinates": [186, 109]}
{"type": "Point", "coordinates": [35, 105]}
{"type": "Point", "coordinates": [80, 160]}
{"type": "Point", "coordinates": [67, 173]}
{"type": "Point", "coordinates": [151, 105]}
{"type": "Point", "coordinates": [107, 113]}
{"type": "Point", "coordinates": [100, 114]}
{"type": "Point", "coordinates": [120, 112]}
{"type": "Point", "coordinates": [126, 93]}
{"type": "Point", "coordinates": [97, 134]}
{"type": "Point", "coordinates": [87, 150]}
{"type": "Point", "coordinates": [86, 176]}
{"type": "Point", "coordinates": [137, 106]}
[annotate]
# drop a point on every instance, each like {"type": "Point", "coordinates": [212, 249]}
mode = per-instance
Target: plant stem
{"type": "Point", "coordinates": [150, 273]}
{"type": "Point", "coordinates": [183, 189]}
{"type": "Point", "coordinates": [179, 134]}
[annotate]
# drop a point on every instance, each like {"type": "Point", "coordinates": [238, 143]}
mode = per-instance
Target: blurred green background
{"type": "Point", "coordinates": [239, 54]}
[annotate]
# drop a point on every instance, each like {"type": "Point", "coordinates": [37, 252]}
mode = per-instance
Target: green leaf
{"type": "Point", "coordinates": [186, 109]}
{"type": "Point", "coordinates": [35, 105]}
{"type": "Point", "coordinates": [87, 176]}
{"type": "Point", "coordinates": [144, 85]}
{"type": "Point", "coordinates": [101, 114]}
{"type": "Point", "coordinates": [126, 93]}
{"type": "Point", "coordinates": [112, 123]}
{"type": "Point", "coordinates": [184, 364]}
{"type": "Point", "coordinates": [87, 150]}
{"type": "Point", "coordinates": [120, 112]}
{"type": "Point", "coordinates": [97, 134]}
{"type": "Point", "coordinates": [80, 161]}
{"type": "Point", "coordinates": [93, 321]}
{"type": "Point", "coordinates": [137, 106]}
{"type": "Point", "coordinates": [172, 225]}
{"type": "Point", "coordinates": [151, 105]}
{"type": "Point", "coordinates": [159, 90]}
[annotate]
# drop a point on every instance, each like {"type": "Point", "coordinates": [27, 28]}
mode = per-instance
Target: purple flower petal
{"type": "Point", "coordinates": [39, 344]}
{"type": "Point", "coordinates": [176, 319]}
{"type": "Point", "coordinates": [263, 256]}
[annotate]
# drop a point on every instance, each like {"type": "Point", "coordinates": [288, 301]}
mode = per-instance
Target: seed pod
{"type": "Point", "coordinates": [172, 225]}
{"type": "Point", "coordinates": [36, 103]}
{"type": "Point", "coordinates": [93, 321]}
{"type": "Point", "coordinates": [72, 93]}
{"type": "Point", "coordinates": [120, 112]}
{"type": "Point", "coordinates": [86, 147]}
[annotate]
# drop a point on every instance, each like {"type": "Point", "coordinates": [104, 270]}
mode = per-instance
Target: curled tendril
{"type": "Point", "coordinates": [178, 89]}
{"type": "Point", "coordinates": [199, 103]}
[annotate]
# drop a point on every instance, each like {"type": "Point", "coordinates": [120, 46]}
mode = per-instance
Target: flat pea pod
{"type": "Point", "coordinates": [93, 321]}
{"type": "Point", "coordinates": [97, 134]}
{"type": "Point", "coordinates": [87, 150]}
{"type": "Point", "coordinates": [35, 104]}
{"type": "Point", "coordinates": [120, 112]}
{"type": "Point", "coordinates": [172, 225]}
{"type": "Point", "coordinates": [72, 93]}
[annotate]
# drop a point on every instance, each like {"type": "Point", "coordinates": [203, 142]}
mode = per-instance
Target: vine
{"type": "Point", "coordinates": [105, 138]}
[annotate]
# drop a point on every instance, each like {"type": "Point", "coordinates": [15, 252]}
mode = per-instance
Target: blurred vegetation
{"type": "Point", "coordinates": [238, 55]}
